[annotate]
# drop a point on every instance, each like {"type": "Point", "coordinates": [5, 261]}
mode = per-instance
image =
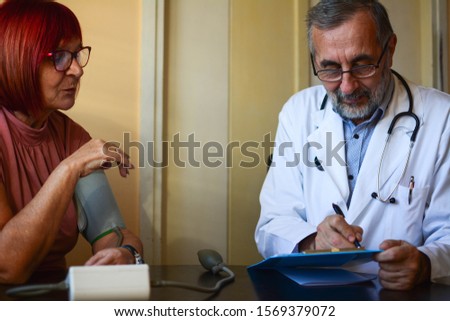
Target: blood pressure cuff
{"type": "Point", "coordinates": [98, 213]}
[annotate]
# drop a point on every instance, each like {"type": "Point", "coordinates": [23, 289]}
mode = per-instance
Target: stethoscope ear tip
{"type": "Point", "coordinates": [392, 200]}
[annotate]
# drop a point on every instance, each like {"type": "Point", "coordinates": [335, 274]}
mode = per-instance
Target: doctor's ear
{"type": "Point", "coordinates": [391, 49]}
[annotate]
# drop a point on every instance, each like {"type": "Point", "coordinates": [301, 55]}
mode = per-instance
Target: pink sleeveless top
{"type": "Point", "coordinates": [27, 157]}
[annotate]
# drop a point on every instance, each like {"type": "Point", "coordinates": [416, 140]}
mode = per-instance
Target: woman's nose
{"type": "Point", "coordinates": [75, 69]}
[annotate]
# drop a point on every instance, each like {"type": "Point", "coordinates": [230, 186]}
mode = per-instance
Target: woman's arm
{"type": "Point", "coordinates": [27, 236]}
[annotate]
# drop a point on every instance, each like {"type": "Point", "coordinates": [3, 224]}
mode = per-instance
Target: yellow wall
{"type": "Point", "coordinates": [407, 58]}
{"type": "Point", "coordinates": [268, 55]}
{"type": "Point", "coordinates": [108, 102]}
{"type": "Point", "coordinates": [195, 198]}
{"type": "Point", "coordinates": [230, 65]}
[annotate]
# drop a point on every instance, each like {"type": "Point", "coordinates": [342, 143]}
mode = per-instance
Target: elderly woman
{"type": "Point", "coordinates": [44, 153]}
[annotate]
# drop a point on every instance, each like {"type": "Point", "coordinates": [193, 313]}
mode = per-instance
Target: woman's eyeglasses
{"type": "Point", "coordinates": [62, 59]}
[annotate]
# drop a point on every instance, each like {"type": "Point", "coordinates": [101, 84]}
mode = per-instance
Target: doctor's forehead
{"type": "Point", "coordinates": [357, 32]}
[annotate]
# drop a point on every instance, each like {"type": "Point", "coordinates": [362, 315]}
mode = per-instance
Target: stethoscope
{"type": "Point", "coordinates": [409, 113]}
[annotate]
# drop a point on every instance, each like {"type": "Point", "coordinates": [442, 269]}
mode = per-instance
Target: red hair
{"type": "Point", "coordinates": [29, 29]}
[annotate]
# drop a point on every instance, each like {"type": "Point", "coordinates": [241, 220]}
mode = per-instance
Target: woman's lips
{"type": "Point", "coordinates": [70, 90]}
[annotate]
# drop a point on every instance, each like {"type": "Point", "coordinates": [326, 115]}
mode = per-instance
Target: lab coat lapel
{"type": "Point", "coordinates": [327, 147]}
{"type": "Point", "coordinates": [394, 158]}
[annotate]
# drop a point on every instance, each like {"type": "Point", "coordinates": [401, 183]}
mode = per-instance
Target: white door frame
{"type": "Point", "coordinates": [151, 127]}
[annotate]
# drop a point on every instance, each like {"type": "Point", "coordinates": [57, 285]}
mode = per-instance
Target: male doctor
{"type": "Point", "coordinates": [331, 148]}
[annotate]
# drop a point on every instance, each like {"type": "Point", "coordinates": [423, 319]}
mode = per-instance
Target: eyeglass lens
{"type": "Point", "coordinates": [364, 71]}
{"type": "Point", "coordinates": [63, 58]}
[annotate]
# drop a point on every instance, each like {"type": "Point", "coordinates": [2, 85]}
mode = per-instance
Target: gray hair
{"type": "Point", "coordinates": [329, 14]}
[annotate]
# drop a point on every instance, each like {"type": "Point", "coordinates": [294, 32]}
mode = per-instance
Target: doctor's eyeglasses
{"type": "Point", "coordinates": [62, 59]}
{"type": "Point", "coordinates": [359, 72]}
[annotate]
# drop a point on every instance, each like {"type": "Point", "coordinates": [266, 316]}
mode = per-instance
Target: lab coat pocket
{"type": "Point", "coordinates": [407, 221]}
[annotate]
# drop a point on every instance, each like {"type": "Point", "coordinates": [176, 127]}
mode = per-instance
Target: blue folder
{"type": "Point", "coordinates": [320, 259]}
{"type": "Point", "coordinates": [319, 269]}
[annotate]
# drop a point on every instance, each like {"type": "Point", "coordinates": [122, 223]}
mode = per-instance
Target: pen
{"type": "Point", "coordinates": [411, 187]}
{"type": "Point", "coordinates": [338, 211]}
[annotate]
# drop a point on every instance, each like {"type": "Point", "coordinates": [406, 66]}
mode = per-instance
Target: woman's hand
{"type": "Point", "coordinates": [111, 256]}
{"type": "Point", "coordinates": [98, 154]}
{"type": "Point", "coordinates": [107, 251]}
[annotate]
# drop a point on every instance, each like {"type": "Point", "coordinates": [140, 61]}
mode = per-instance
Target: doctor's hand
{"type": "Point", "coordinates": [335, 232]}
{"type": "Point", "coordinates": [402, 265]}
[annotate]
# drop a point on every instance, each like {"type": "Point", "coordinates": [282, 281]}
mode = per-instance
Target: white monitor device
{"type": "Point", "coordinates": [109, 282]}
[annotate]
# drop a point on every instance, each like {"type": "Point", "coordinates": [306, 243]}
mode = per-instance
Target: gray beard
{"type": "Point", "coordinates": [355, 112]}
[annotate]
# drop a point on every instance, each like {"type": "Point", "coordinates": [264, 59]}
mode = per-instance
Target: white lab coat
{"type": "Point", "coordinates": [296, 198]}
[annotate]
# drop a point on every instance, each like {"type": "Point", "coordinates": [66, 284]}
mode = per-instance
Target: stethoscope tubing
{"type": "Point", "coordinates": [409, 113]}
